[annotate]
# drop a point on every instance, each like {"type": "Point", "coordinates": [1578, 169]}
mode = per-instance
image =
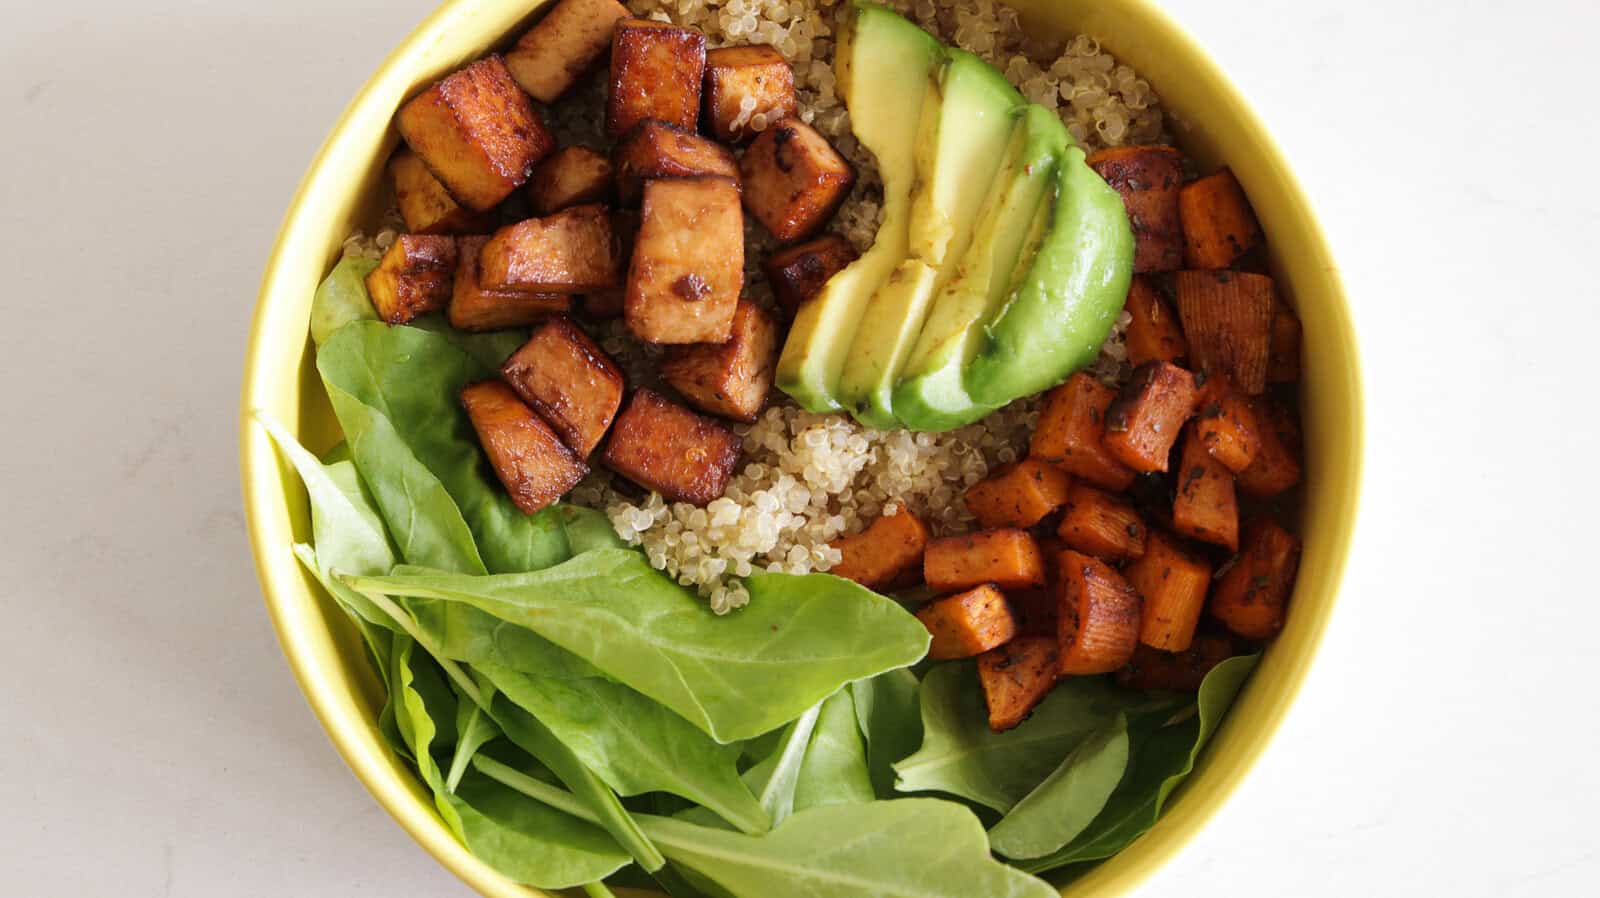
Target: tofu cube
{"type": "Point", "coordinates": [558, 51]}
{"type": "Point", "coordinates": [743, 83]}
{"type": "Point", "coordinates": [732, 378]}
{"type": "Point", "coordinates": [603, 305]}
{"type": "Point", "coordinates": [414, 276]}
{"type": "Point", "coordinates": [656, 70]}
{"type": "Point", "coordinates": [527, 456]}
{"type": "Point", "coordinates": [477, 132]}
{"type": "Point", "coordinates": [968, 623]}
{"type": "Point", "coordinates": [569, 380]}
{"type": "Point", "coordinates": [424, 203]}
{"type": "Point", "coordinates": [798, 272]}
{"type": "Point", "coordinates": [472, 308]}
{"type": "Point", "coordinates": [1144, 422]}
{"type": "Point", "coordinates": [794, 179]}
{"type": "Point", "coordinates": [688, 262]}
{"type": "Point", "coordinates": [663, 446]}
{"type": "Point", "coordinates": [572, 176]}
{"type": "Point", "coordinates": [572, 251]}
{"type": "Point", "coordinates": [655, 150]}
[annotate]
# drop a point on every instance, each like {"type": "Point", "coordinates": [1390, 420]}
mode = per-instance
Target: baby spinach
{"type": "Point", "coordinates": [1068, 800]}
{"type": "Point", "coordinates": [474, 727]}
{"type": "Point", "coordinates": [834, 770]}
{"type": "Point", "coordinates": [588, 529]}
{"type": "Point", "coordinates": [342, 298]}
{"type": "Point", "coordinates": [891, 723]}
{"type": "Point", "coordinates": [775, 778]}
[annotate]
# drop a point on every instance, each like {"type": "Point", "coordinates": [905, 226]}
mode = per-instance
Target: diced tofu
{"type": "Point", "coordinates": [572, 251]}
{"type": "Point", "coordinates": [603, 305]}
{"type": "Point", "coordinates": [1099, 616]}
{"type": "Point", "coordinates": [1010, 559]}
{"type": "Point", "coordinates": [1218, 224]}
{"type": "Point", "coordinates": [1018, 496]}
{"type": "Point", "coordinates": [1148, 179]}
{"type": "Point", "coordinates": [572, 176]}
{"type": "Point", "coordinates": [1226, 424]}
{"type": "Point", "coordinates": [655, 150]}
{"type": "Point", "coordinates": [1276, 466]}
{"type": "Point", "coordinates": [1144, 421]}
{"type": "Point", "coordinates": [656, 70]}
{"type": "Point", "coordinates": [424, 203]}
{"type": "Point", "coordinates": [968, 623]}
{"type": "Point", "coordinates": [732, 378]}
{"type": "Point", "coordinates": [1173, 584]}
{"type": "Point", "coordinates": [1100, 524]}
{"type": "Point", "coordinates": [798, 272]}
{"type": "Point", "coordinates": [663, 446]}
{"type": "Point", "coordinates": [1153, 333]}
{"type": "Point", "coordinates": [1181, 672]}
{"type": "Point", "coordinates": [688, 262]}
{"type": "Point", "coordinates": [757, 73]}
{"type": "Point", "coordinates": [414, 276]}
{"type": "Point", "coordinates": [1251, 597]}
{"type": "Point", "coordinates": [1206, 507]}
{"type": "Point", "coordinates": [1227, 320]}
{"type": "Point", "coordinates": [1016, 677]}
{"type": "Point", "coordinates": [472, 308]}
{"type": "Point", "coordinates": [563, 46]}
{"type": "Point", "coordinates": [794, 179]}
{"type": "Point", "coordinates": [477, 132]}
{"type": "Point", "coordinates": [881, 554]}
{"type": "Point", "coordinates": [569, 380]}
{"type": "Point", "coordinates": [1071, 431]}
{"type": "Point", "coordinates": [527, 456]}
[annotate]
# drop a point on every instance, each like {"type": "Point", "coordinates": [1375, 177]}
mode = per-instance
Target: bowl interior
{"type": "Point", "coordinates": [343, 189]}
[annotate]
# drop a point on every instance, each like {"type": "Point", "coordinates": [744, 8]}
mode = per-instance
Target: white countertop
{"type": "Point", "coordinates": [154, 743]}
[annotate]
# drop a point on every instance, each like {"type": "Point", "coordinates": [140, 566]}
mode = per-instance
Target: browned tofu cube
{"type": "Point", "coordinates": [569, 41]}
{"type": "Point", "coordinates": [655, 149]}
{"type": "Point", "coordinates": [968, 623]}
{"type": "Point", "coordinates": [572, 176]}
{"type": "Point", "coordinates": [1144, 421]}
{"type": "Point", "coordinates": [663, 446]}
{"type": "Point", "coordinates": [747, 88]}
{"type": "Point", "coordinates": [477, 132]}
{"type": "Point", "coordinates": [603, 305]}
{"type": "Point", "coordinates": [798, 272]}
{"type": "Point", "coordinates": [527, 456]}
{"type": "Point", "coordinates": [472, 308]}
{"type": "Point", "coordinates": [414, 277]}
{"type": "Point", "coordinates": [688, 262]}
{"type": "Point", "coordinates": [731, 378]}
{"type": "Point", "coordinates": [569, 381]}
{"type": "Point", "coordinates": [1010, 559]}
{"type": "Point", "coordinates": [1016, 677]}
{"type": "Point", "coordinates": [656, 69]}
{"type": "Point", "coordinates": [572, 251]}
{"type": "Point", "coordinates": [794, 179]}
{"type": "Point", "coordinates": [424, 203]}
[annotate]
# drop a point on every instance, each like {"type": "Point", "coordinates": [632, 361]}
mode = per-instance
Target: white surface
{"type": "Point", "coordinates": [153, 742]}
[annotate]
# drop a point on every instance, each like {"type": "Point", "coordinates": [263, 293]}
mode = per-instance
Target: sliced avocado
{"type": "Point", "coordinates": [968, 114]}
{"type": "Point", "coordinates": [931, 394]}
{"type": "Point", "coordinates": [884, 62]}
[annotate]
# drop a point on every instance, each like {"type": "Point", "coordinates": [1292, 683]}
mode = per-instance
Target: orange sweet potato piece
{"type": "Point", "coordinates": [1010, 559]}
{"type": "Point", "coordinates": [1206, 506]}
{"type": "Point", "coordinates": [1227, 319]}
{"type": "Point", "coordinates": [1036, 609]}
{"type": "Point", "coordinates": [656, 70]}
{"type": "Point", "coordinates": [879, 555]}
{"type": "Point", "coordinates": [569, 380]}
{"type": "Point", "coordinates": [1148, 179]}
{"type": "Point", "coordinates": [569, 41]}
{"type": "Point", "coordinates": [1173, 584]}
{"type": "Point", "coordinates": [1071, 432]}
{"type": "Point", "coordinates": [1099, 616]}
{"type": "Point", "coordinates": [1153, 333]}
{"type": "Point", "coordinates": [758, 72]}
{"type": "Point", "coordinates": [1020, 495]}
{"type": "Point", "coordinates": [425, 205]}
{"type": "Point", "coordinates": [1144, 421]}
{"type": "Point", "coordinates": [527, 456]}
{"type": "Point", "coordinates": [1176, 672]}
{"type": "Point", "coordinates": [798, 272]}
{"type": "Point", "coordinates": [414, 276]}
{"type": "Point", "coordinates": [1218, 224]}
{"type": "Point", "coordinates": [1283, 355]}
{"type": "Point", "coordinates": [968, 623]}
{"type": "Point", "coordinates": [1100, 524]}
{"type": "Point", "coordinates": [474, 308]}
{"type": "Point", "coordinates": [663, 446]}
{"type": "Point", "coordinates": [1226, 424]}
{"type": "Point", "coordinates": [1276, 466]}
{"type": "Point", "coordinates": [1016, 677]}
{"type": "Point", "coordinates": [1250, 598]}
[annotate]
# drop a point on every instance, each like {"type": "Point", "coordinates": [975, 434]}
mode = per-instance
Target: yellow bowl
{"type": "Point", "coordinates": [1213, 124]}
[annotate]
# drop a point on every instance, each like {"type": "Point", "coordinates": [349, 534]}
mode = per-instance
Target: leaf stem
{"type": "Point", "coordinates": [598, 890]}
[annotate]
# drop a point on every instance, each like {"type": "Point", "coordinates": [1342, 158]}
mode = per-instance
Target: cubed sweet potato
{"type": "Point", "coordinates": [1071, 433]}
{"type": "Point", "coordinates": [1206, 506]}
{"type": "Point", "coordinates": [1016, 677]}
{"type": "Point", "coordinates": [1144, 421]}
{"type": "Point", "coordinates": [794, 179]}
{"type": "Point", "coordinates": [798, 272]}
{"type": "Point", "coordinates": [1174, 672]}
{"type": "Point", "coordinates": [967, 623]}
{"type": "Point", "coordinates": [571, 176]}
{"type": "Point", "coordinates": [1276, 467]}
{"type": "Point", "coordinates": [527, 456]}
{"type": "Point", "coordinates": [477, 132]}
{"type": "Point", "coordinates": [688, 262]}
{"type": "Point", "coordinates": [1218, 224]}
{"type": "Point", "coordinates": [663, 446]}
{"type": "Point", "coordinates": [1010, 559]}
{"type": "Point", "coordinates": [1226, 424]}
{"type": "Point", "coordinates": [1148, 179]}
{"type": "Point", "coordinates": [1227, 321]}
{"type": "Point", "coordinates": [656, 70]}
{"type": "Point", "coordinates": [1173, 584]}
{"type": "Point", "coordinates": [1283, 354]}
{"type": "Point", "coordinates": [1153, 334]}
{"type": "Point", "coordinates": [563, 46]}
{"type": "Point", "coordinates": [731, 378]}
{"type": "Point", "coordinates": [655, 150]}
{"type": "Point", "coordinates": [1251, 597]}
{"type": "Point", "coordinates": [472, 308]}
{"type": "Point", "coordinates": [1100, 524]}
{"type": "Point", "coordinates": [1020, 495]}
{"type": "Point", "coordinates": [569, 380]}
{"type": "Point", "coordinates": [1036, 609]}
{"type": "Point", "coordinates": [1099, 616]}
{"type": "Point", "coordinates": [572, 251]}
{"type": "Point", "coordinates": [414, 276]}
{"type": "Point", "coordinates": [425, 205]}
{"type": "Point", "coordinates": [757, 75]}
{"type": "Point", "coordinates": [879, 555]}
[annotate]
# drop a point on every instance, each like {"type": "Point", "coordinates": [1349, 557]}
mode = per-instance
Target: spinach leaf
{"type": "Point", "coordinates": [1069, 799]}
{"type": "Point", "coordinates": [473, 728]}
{"type": "Point", "coordinates": [490, 349]}
{"type": "Point", "coordinates": [835, 767]}
{"type": "Point", "coordinates": [342, 298]}
{"type": "Point", "coordinates": [774, 777]}
{"type": "Point", "coordinates": [891, 722]}
{"type": "Point", "coordinates": [588, 529]}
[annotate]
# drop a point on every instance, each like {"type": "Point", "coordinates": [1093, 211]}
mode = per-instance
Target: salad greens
{"type": "Point", "coordinates": [834, 770]}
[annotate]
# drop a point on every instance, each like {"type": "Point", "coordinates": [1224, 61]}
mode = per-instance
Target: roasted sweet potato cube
{"type": "Point", "coordinates": [424, 203]}
{"type": "Point", "coordinates": [1206, 506]}
{"type": "Point", "coordinates": [732, 378]}
{"type": "Point", "coordinates": [571, 176]}
{"type": "Point", "coordinates": [477, 132]}
{"type": "Point", "coordinates": [1148, 179]}
{"type": "Point", "coordinates": [527, 456]}
{"type": "Point", "coordinates": [1099, 616]}
{"type": "Point", "coordinates": [472, 308]}
{"type": "Point", "coordinates": [1175, 672]}
{"type": "Point", "coordinates": [688, 262]}
{"type": "Point", "coordinates": [656, 70]}
{"type": "Point", "coordinates": [1173, 584]}
{"type": "Point", "coordinates": [1035, 609]}
{"type": "Point", "coordinates": [1276, 466]}
{"type": "Point", "coordinates": [572, 251]}
{"type": "Point", "coordinates": [1153, 334]}
{"type": "Point", "coordinates": [1226, 425]}
{"type": "Point", "coordinates": [879, 555]}
{"type": "Point", "coordinates": [563, 46]}
{"type": "Point", "coordinates": [1283, 354]}
{"type": "Point", "coordinates": [1144, 421]}
{"type": "Point", "coordinates": [655, 149]}
{"type": "Point", "coordinates": [569, 380]}
{"type": "Point", "coordinates": [968, 623]}
{"type": "Point", "coordinates": [663, 446]}
{"type": "Point", "coordinates": [798, 272]}
{"type": "Point", "coordinates": [746, 88]}
{"type": "Point", "coordinates": [1218, 224]}
{"type": "Point", "coordinates": [1010, 559]}
{"type": "Point", "coordinates": [1016, 677]}
{"type": "Point", "coordinates": [1100, 524]}
{"type": "Point", "coordinates": [1020, 495]}
{"type": "Point", "coordinates": [1251, 597]}
{"type": "Point", "coordinates": [794, 179]}
{"type": "Point", "coordinates": [1227, 321]}
{"type": "Point", "coordinates": [413, 277]}
{"type": "Point", "coordinates": [1071, 433]}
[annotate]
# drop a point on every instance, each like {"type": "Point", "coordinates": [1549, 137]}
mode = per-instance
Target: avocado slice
{"type": "Point", "coordinates": [883, 64]}
{"type": "Point", "coordinates": [967, 120]}
{"type": "Point", "coordinates": [931, 394]}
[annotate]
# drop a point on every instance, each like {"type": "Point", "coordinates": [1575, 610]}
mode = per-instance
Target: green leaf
{"type": "Point", "coordinates": [474, 728]}
{"type": "Point", "coordinates": [588, 529]}
{"type": "Point", "coordinates": [1064, 805]}
{"type": "Point", "coordinates": [891, 722]}
{"type": "Point", "coordinates": [528, 841]}
{"type": "Point", "coordinates": [835, 767]}
{"type": "Point", "coordinates": [489, 349]}
{"type": "Point", "coordinates": [775, 777]}
{"type": "Point", "coordinates": [342, 298]}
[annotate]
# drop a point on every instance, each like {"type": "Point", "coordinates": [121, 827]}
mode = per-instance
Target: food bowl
{"type": "Point", "coordinates": [342, 190]}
